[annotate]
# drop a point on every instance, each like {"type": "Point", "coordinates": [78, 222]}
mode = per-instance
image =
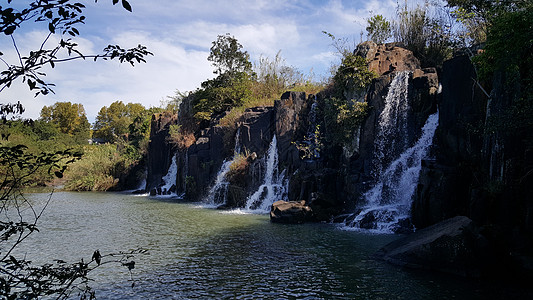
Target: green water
{"type": "Point", "coordinates": [201, 253]}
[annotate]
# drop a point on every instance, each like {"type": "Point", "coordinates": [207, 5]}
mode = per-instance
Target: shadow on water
{"type": "Point", "coordinates": [198, 253]}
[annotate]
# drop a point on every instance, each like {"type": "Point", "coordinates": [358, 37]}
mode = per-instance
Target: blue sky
{"type": "Point", "coordinates": [180, 33]}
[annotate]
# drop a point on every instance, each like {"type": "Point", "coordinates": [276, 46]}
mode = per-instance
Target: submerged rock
{"type": "Point", "coordinates": [292, 212]}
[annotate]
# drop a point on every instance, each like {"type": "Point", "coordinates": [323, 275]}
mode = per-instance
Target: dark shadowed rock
{"type": "Point", "coordinates": [159, 149]}
{"type": "Point", "coordinates": [452, 246]}
{"type": "Point", "coordinates": [257, 129]}
{"type": "Point", "coordinates": [288, 122]}
{"type": "Point", "coordinates": [291, 212]}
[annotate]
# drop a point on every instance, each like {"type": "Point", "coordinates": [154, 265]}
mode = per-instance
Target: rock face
{"type": "Point", "coordinates": [161, 151]}
{"type": "Point", "coordinates": [330, 184]}
{"type": "Point", "coordinates": [387, 58]}
{"type": "Point", "coordinates": [292, 212]}
{"type": "Point", "coordinates": [290, 119]}
{"type": "Point", "coordinates": [477, 172]}
{"type": "Point", "coordinates": [452, 246]}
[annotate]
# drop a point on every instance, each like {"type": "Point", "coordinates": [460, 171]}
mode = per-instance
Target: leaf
{"type": "Point", "coordinates": [9, 30]}
{"type": "Point", "coordinates": [126, 5]}
{"type": "Point", "coordinates": [115, 2]}
{"type": "Point", "coordinates": [51, 28]}
{"type": "Point", "coordinates": [130, 265]}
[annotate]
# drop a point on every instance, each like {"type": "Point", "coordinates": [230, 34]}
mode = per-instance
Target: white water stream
{"type": "Point", "coordinates": [389, 200]}
{"type": "Point", "coordinates": [170, 178]}
{"type": "Point", "coordinates": [274, 185]}
{"type": "Point", "coordinates": [219, 191]}
{"type": "Point", "coordinates": [396, 167]}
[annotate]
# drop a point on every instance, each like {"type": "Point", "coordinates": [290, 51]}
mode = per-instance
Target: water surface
{"type": "Point", "coordinates": [199, 253]}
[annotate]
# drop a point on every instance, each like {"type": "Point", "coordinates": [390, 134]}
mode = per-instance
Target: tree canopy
{"type": "Point", "coordinates": [69, 117]}
{"type": "Point", "coordinates": [113, 122]}
{"type": "Point", "coordinates": [379, 29]}
{"type": "Point", "coordinates": [227, 57]}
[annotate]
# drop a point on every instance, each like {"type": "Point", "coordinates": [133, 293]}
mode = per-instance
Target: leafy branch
{"type": "Point", "coordinates": [61, 17]}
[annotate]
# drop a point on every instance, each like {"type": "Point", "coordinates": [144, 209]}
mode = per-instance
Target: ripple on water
{"type": "Point", "coordinates": [198, 253]}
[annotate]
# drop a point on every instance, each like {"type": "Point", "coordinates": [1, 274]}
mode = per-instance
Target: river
{"type": "Point", "coordinates": [200, 253]}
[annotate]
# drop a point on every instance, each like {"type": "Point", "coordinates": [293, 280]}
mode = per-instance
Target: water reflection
{"type": "Point", "coordinates": [198, 253]}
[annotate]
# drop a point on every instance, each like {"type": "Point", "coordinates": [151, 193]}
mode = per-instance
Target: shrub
{"type": "Point", "coordinates": [342, 118]}
{"type": "Point", "coordinates": [379, 29]}
{"type": "Point", "coordinates": [430, 38]}
{"type": "Point", "coordinates": [352, 76]}
{"type": "Point", "coordinates": [101, 167]}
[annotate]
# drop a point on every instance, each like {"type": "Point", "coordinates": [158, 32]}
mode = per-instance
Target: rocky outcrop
{"type": "Point", "coordinates": [160, 150]}
{"type": "Point", "coordinates": [387, 58]}
{"type": "Point", "coordinates": [445, 188]}
{"type": "Point", "coordinates": [452, 246]}
{"type": "Point", "coordinates": [257, 127]}
{"type": "Point", "coordinates": [293, 212]}
{"type": "Point", "coordinates": [290, 123]}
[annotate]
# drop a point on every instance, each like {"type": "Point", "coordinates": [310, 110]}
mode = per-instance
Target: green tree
{"type": "Point", "coordinates": [379, 29]}
{"type": "Point", "coordinates": [227, 57]}
{"type": "Point", "coordinates": [113, 122]}
{"type": "Point", "coordinates": [232, 86]}
{"type": "Point", "coordinates": [69, 118]}
{"type": "Point", "coordinates": [352, 76]}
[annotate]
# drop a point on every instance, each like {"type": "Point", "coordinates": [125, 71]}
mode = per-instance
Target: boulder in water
{"type": "Point", "coordinates": [292, 212]}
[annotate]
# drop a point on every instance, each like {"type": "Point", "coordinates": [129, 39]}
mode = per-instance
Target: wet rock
{"type": "Point", "coordinates": [291, 212]}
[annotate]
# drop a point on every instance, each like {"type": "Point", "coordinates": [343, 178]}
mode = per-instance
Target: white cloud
{"type": "Point", "coordinates": [179, 33]}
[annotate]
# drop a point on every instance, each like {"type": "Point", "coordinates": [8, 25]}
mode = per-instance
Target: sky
{"type": "Point", "coordinates": [180, 33]}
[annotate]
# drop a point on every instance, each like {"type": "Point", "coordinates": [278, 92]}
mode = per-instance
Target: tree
{"type": "Point", "coordinates": [232, 86]}
{"type": "Point", "coordinates": [60, 17]}
{"type": "Point", "coordinates": [378, 29]}
{"type": "Point", "coordinates": [113, 122]}
{"type": "Point", "coordinates": [19, 278]}
{"type": "Point", "coordinates": [227, 57]}
{"type": "Point", "coordinates": [69, 118]}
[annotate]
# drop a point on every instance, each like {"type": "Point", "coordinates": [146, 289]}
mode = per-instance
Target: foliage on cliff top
{"type": "Point", "coordinates": [239, 85]}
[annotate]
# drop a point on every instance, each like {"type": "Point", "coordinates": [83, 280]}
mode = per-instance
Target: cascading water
{"type": "Point", "coordinates": [170, 178]}
{"type": "Point", "coordinates": [392, 136]}
{"type": "Point", "coordinates": [274, 185]}
{"type": "Point", "coordinates": [185, 171]}
{"type": "Point", "coordinates": [388, 201]}
{"type": "Point", "coordinates": [219, 191]}
{"type": "Point", "coordinates": [311, 131]}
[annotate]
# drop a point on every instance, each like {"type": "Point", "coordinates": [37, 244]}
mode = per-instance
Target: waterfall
{"type": "Point", "coordinates": [185, 171]}
{"type": "Point", "coordinates": [388, 202]}
{"type": "Point", "coordinates": [311, 130]}
{"type": "Point", "coordinates": [392, 136]}
{"type": "Point", "coordinates": [218, 193]}
{"type": "Point", "coordinates": [170, 179]}
{"type": "Point", "coordinates": [274, 185]}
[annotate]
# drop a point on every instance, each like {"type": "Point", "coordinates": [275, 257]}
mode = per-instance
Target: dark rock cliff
{"type": "Point", "coordinates": [159, 149]}
{"type": "Point", "coordinates": [477, 172]}
{"type": "Point", "coordinates": [474, 172]}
